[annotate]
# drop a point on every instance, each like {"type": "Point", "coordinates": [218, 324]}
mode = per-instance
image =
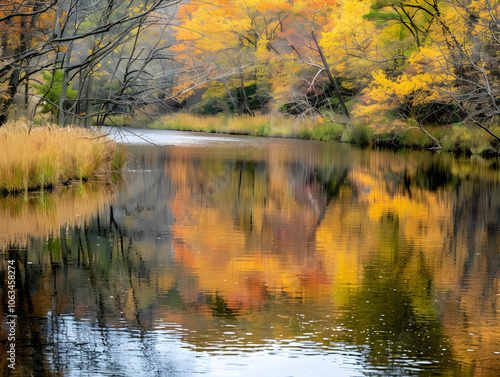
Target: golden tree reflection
{"type": "Point", "coordinates": [393, 254]}
{"type": "Point", "coordinates": [260, 232]}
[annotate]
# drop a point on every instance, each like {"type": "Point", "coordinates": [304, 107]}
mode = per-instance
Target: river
{"type": "Point", "coordinates": [219, 255]}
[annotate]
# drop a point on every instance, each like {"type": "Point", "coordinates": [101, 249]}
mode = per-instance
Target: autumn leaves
{"type": "Point", "coordinates": [379, 62]}
{"type": "Point", "coordinates": [387, 56]}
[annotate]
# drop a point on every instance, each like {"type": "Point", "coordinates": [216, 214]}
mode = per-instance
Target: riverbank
{"type": "Point", "coordinates": [458, 138]}
{"type": "Point", "coordinates": [38, 158]}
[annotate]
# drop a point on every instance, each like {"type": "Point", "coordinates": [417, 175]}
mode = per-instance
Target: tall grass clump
{"type": "Point", "coordinates": [36, 157]}
{"type": "Point", "coordinates": [460, 138]}
{"type": "Point", "coordinates": [260, 125]}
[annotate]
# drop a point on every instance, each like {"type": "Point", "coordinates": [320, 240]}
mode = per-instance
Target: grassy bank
{"type": "Point", "coordinates": [44, 157]}
{"type": "Point", "coordinates": [459, 138]}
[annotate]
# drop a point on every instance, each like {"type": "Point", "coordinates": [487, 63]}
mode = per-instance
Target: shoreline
{"type": "Point", "coordinates": [459, 139]}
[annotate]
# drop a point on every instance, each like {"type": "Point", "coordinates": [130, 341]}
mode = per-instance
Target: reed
{"type": "Point", "coordinates": [35, 157]}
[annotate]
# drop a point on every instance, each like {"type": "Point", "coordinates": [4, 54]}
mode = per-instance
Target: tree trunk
{"type": "Point", "coordinates": [245, 99]}
{"type": "Point", "coordinates": [330, 77]}
{"type": "Point", "coordinates": [64, 89]}
{"type": "Point", "coordinates": [10, 93]}
{"type": "Point", "coordinates": [223, 80]}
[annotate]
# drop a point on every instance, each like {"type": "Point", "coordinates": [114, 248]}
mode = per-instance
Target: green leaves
{"type": "Point", "coordinates": [51, 90]}
{"type": "Point", "coordinates": [377, 15]}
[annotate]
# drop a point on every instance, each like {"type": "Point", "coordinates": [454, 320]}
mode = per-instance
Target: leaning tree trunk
{"type": "Point", "coordinates": [330, 77]}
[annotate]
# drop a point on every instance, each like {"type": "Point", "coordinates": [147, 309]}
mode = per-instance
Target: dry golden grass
{"type": "Point", "coordinates": [43, 157]}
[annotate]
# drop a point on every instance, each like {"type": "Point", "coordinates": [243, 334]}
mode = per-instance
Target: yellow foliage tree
{"type": "Point", "coordinates": [228, 46]}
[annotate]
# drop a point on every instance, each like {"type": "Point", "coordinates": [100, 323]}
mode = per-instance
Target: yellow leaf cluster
{"type": "Point", "coordinates": [418, 84]}
{"type": "Point", "coordinates": [350, 42]}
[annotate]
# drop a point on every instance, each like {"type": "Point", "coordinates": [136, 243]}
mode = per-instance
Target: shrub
{"type": "Point", "coordinates": [51, 90]}
{"type": "Point", "coordinates": [357, 134]}
{"type": "Point", "coordinates": [328, 132]}
{"type": "Point", "coordinates": [263, 129]}
{"type": "Point", "coordinates": [305, 134]}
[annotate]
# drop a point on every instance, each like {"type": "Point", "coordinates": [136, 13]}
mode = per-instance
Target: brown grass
{"type": "Point", "coordinates": [43, 157]}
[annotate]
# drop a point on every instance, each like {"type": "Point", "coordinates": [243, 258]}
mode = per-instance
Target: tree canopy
{"type": "Point", "coordinates": [375, 61]}
{"type": "Point", "coordinates": [431, 61]}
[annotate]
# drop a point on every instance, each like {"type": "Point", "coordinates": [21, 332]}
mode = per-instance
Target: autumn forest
{"type": "Point", "coordinates": [347, 242]}
{"type": "Point", "coordinates": [389, 64]}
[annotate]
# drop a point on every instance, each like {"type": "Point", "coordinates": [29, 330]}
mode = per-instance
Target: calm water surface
{"type": "Point", "coordinates": [238, 256]}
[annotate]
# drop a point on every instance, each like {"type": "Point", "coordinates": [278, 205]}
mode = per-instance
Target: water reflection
{"type": "Point", "coordinates": [276, 258]}
{"type": "Point", "coordinates": [42, 213]}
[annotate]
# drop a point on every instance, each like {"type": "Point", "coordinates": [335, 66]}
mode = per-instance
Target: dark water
{"type": "Point", "coordinates": [232, 256]}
